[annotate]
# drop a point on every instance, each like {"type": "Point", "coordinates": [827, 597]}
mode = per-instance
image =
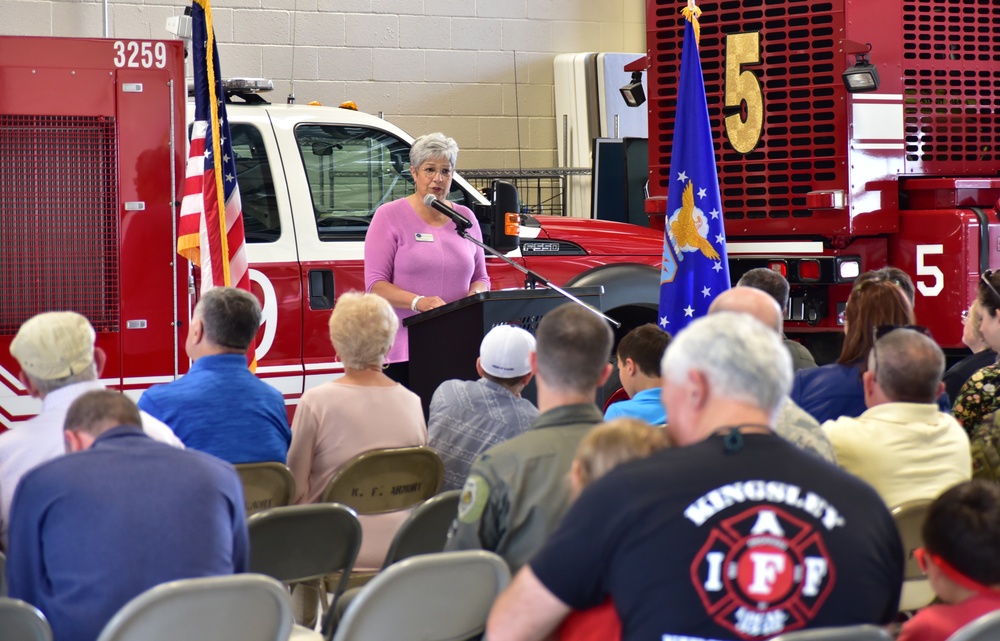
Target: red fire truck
{"type": "Point", "coordinates": [819, 182]}
{"type": "Point", "coordinates": [92, 152]}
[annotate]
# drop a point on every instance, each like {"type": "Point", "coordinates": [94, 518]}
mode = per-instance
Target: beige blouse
{"type": "Point", "coordinates": [335, 422]}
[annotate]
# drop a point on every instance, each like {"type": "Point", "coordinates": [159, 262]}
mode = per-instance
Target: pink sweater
{"type": "Point", "coordinates": [445, 266]}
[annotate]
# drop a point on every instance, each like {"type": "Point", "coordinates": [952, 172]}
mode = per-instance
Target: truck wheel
{"type": "Point", "coordinates": [631, 297]}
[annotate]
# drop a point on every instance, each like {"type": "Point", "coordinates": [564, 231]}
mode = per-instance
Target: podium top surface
{"type": "Point", "coordinates": [504, 295]}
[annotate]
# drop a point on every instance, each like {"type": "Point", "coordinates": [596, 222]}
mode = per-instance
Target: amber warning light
{"type": "Point", "coordinates": [512, 224]}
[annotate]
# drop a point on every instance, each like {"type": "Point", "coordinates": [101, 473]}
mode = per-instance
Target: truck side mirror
{"type": "Point", "coordinates": [505, 207]}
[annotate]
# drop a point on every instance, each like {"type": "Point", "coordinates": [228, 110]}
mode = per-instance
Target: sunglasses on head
{"type": "Point", "coordinates": [985, 277]}
{"type": "Point", "coordinates": [881, 330]}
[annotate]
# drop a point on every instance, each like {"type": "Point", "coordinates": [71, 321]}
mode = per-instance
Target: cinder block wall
{"type": "Point", "coordinates": [428, 65]}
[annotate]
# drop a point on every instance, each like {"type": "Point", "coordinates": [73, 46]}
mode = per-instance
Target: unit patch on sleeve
{"type": "Point", "coordinates": [473, 500]}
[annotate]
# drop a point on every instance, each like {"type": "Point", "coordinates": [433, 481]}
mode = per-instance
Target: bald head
{"type": "Point", "coordinates": [752, 301]}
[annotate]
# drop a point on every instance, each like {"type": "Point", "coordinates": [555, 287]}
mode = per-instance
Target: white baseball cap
{"type": "Point", "coordinates": [504, 351]}
{"type": "Point", "coordinates": [54, 345]}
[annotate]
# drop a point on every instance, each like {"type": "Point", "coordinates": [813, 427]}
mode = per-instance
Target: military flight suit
{"type": "Point", "coordinates": [517, 491]}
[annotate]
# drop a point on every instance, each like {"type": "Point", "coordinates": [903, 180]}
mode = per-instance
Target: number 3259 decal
{"type": "Point", "coordinates": [140, 55]}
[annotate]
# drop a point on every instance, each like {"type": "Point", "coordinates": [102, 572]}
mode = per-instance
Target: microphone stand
{"type": "Point", "coordinates": [531, 278]}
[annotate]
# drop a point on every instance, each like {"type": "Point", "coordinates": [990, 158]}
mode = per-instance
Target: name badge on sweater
{"type": "Point", "coordinates": [424, 238]}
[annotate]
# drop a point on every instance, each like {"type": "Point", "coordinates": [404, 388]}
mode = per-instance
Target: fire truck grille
{"type": "Point", "coordinates": [60, 243]}
{"type": "Point", "coordinates": [950, 57]}
{"type": "Point", "coordinates": [800, 148]}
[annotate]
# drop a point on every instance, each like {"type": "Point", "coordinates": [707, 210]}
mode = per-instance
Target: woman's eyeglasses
{"type": "Point", "coordinates": [985, 277]}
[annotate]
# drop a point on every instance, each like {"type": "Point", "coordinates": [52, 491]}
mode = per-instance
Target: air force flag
{"type": "Point", "coordinates": [694, 269]}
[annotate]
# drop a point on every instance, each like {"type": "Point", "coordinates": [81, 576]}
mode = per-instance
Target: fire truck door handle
{"type": "Point", "coordinates": [320, 289]}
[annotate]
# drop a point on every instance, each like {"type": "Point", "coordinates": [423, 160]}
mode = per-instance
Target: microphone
{"type": "Point", "coordinates": [460, 221]}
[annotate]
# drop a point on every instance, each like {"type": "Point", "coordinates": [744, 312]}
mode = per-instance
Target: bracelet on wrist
{"type": "Point", "coordinates": [413, 304]}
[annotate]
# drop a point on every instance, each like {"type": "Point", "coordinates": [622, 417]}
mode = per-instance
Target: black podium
{"type": "Point", "coordinates": [444, 342]}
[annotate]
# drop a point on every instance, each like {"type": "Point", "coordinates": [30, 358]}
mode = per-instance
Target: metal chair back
{"type": "Point", "coordinates": [434, 597]}
{"type": "Point", "coordinates": [240, 607]}
{"type": "Point", "coordinates": [303, 542]}
{"type": "Point", "coordinates": [426, 530]}
{"type": "Point", "coordinates": [842, 633]}
{"type": "Point", "coordinates": [909, 518]}
{"type": "Point", "coordinates": [20, 621]}
{"type": "Point", "coordinates": [265, 485]}
{"type": "Point", "coordinates": [389, 480]}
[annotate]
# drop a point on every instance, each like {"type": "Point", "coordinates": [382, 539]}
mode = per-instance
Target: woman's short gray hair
{"type": "Point", "coordinates": [362, 329]}
{"type": "Point", "coordinates": [743, 359]}
{"type": "Point", "coordinates": [435, 145]}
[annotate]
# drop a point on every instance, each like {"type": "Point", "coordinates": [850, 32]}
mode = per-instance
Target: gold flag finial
{"type": "Point", "coordinates": [691, 12]}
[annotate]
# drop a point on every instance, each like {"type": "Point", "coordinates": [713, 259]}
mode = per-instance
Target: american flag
{"type": "Point", "coordinates": [695, 269]}
{"type": "Point", "coordinates": [210, 231]}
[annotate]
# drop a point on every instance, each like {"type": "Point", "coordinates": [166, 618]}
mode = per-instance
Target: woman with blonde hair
{"type": "Point", "coordinates": [982, 354]}
{"type": "Point", "coordinates": [604, 448]}
{"type": "Point", "coordinates": [360, 411]}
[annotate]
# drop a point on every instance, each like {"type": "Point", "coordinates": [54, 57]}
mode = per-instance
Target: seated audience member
{"type": "Point", "coordinates": [516, 492]}
{"type": "Point", "coordinates": [59, 363]}
{"type": "Point", "coordinates": [362, 410]}
{"type": "Point", "coordinates": [978, 396]}
{"type": "Point", "coordinates": [961, 556]}
{"type": "Point", "coordinates": [835, 390]}
{"type": "Point", "coordinates": [982, 354]}
{"type": "Point", "coordinates": [772, 282]}
{"type": "Point", "coordinates": [733, 533]}
{"type": "Point", "coordinates": [639, 354]}
{"type": "Point", "coordinates": [903, 445]}
{"type": "Point", "coordinates": [793, 423]}
{"type": "Point", "coordinates": [889, 274]}
{"type": "Point", "coordinates": [220, 406]}
{"type": "Point", "coordinates": [468, 417]}
{"type": "Point", "coordinates": [118, 515]}
{"type": "Point", "coordinates": [606, 447]}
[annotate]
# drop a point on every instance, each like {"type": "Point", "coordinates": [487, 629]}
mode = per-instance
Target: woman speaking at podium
{"type": "Point", "coordinates": [414, 257]}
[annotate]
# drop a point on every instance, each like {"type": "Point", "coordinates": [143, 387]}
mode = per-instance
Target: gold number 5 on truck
{"type": "Point", "coordinates": [744, 124]}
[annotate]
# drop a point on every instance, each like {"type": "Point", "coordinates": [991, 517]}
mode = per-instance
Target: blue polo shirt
{"type": "Point", "coordinates": [221, 408]}
{"type": "Point", "coordinates": [645, 405]}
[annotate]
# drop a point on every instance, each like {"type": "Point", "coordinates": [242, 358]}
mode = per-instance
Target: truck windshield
{"type": "Point", "coordinates": [351, 172]}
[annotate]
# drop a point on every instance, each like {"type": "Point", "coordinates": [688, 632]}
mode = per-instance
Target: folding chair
{"type": "Point", "coordinates": [426, 530]}
{"type": "Point", "coordinates": [304, 542]}
{"type": "Point", "coordinates": [388, 480]}
{"type": "Point", "coordinates": [985, 628]}
{"type": "Point", "coordinates": [841, 633]}
{"type": "Point", "coordinates": [265, 485]}
{"type": "Point", "coordinates": [432, 597]}
{"type": "Point", "coordinates": [384, 481]}
{"type": "Point", "coordinates": [240, 607]}
{"type": "Point", "coordinates": [20, 621]}
{"type": "Point", "coordinates": [909, 517]}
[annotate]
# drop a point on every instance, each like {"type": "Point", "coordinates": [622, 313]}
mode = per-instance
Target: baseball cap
{"type": "Point", "coordinates": [504, 351]}
{"type": "Point", "coordinates": [54, 345]}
